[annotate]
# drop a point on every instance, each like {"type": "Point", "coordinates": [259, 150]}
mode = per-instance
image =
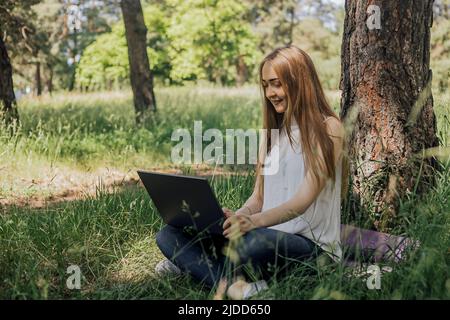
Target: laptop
{"type": "Point", "coordinates": [185, 202]}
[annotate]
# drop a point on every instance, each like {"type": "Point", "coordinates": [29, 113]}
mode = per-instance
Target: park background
{"type": "Point", "coordinates": [69, 193]}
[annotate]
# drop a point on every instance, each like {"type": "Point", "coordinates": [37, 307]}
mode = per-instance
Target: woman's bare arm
{"type": "Point", "coordinates": [254, 203]}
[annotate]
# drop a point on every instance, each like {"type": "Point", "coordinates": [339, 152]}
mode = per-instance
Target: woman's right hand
{"type": "Point", "coordinates": [228, 212]}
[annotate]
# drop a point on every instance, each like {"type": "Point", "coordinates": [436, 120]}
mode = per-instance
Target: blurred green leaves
{"type": "Point", "coordinates": [187, 40]}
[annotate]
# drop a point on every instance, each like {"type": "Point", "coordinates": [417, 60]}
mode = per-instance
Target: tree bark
{"type": "Point", "coordinates": [8, 108]}
{"type": "Point", "coordinates": [141, 77]}
{"type": "Point", "coordinates": [387, 105]}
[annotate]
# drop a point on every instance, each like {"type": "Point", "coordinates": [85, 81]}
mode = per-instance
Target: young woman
{"type": "Point", "coordinates": [293, 214]}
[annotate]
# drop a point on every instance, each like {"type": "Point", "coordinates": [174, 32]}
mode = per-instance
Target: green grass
{"type": "Point", "coordinates": [98, 129]}
{"type": "Point", "coordinates": [111, 236]}
{"type": "Point", "coordinates": [88, 131]}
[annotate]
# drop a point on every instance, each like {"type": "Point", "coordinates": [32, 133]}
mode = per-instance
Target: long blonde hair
{"type": "Point", "coordinates": [306, 104]}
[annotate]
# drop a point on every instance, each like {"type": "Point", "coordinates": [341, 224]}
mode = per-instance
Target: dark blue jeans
{"type": "Point", "coordinates": [264, 251]}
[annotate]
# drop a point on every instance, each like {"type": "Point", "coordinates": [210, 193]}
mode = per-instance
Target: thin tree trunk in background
{"type": "Point", "coordinates": [241, 71]}
{"type": "Point", "coordinates": [291, 24]}
{"type": "Point", "coordinates": [50, 79]}
{"type": "Point", "coordinates": [387, 105]}
{"type": "Point", "coordinates": [140, 75]}
{"type": "Point", "coordinates": [38, 81]}
{"type": "Point", "coordinates": [73, 67]}
{"type": "Point", "coordinates": [8, 107]}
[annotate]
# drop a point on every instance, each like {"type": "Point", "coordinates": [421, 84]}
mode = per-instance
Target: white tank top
{"type": "Point", "coordinates": [322, 220]}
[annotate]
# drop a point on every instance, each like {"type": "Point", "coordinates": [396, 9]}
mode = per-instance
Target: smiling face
{"type": "Point", "coordinates": [273, 89]}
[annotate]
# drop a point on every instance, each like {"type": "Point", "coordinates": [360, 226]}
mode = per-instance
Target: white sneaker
{"type": "Point", "coordinates": [242, 290]}
{"type": "Point", "coordinates": [166, 267]}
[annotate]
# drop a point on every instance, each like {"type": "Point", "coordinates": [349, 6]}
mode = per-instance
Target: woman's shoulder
{"type": "Point", "coordinates": [335, 127]}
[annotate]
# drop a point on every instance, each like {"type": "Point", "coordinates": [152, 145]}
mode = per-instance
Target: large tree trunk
{"type": "Point", "coordinates": [8, 108]}
{"type": "Point", "coordinates": [140, 76]}
{"type": "Point", "coordinates": [387, 104]}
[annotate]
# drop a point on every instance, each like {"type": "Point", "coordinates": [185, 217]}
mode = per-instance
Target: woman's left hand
{"type": "Point", "coordinates": [237, 225]}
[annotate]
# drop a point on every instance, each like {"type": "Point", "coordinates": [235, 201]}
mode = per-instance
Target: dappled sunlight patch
{"type": "Point", "coordinates": [132, 276]}
{"type": "Point", "coordinates": [37, 185]}
{"type": "Point", "coordinates": [138, 264]}
{"type": "Point", "coordinates": [61, 99]}
{"type": "Point", "coordinates": [322, 293]}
